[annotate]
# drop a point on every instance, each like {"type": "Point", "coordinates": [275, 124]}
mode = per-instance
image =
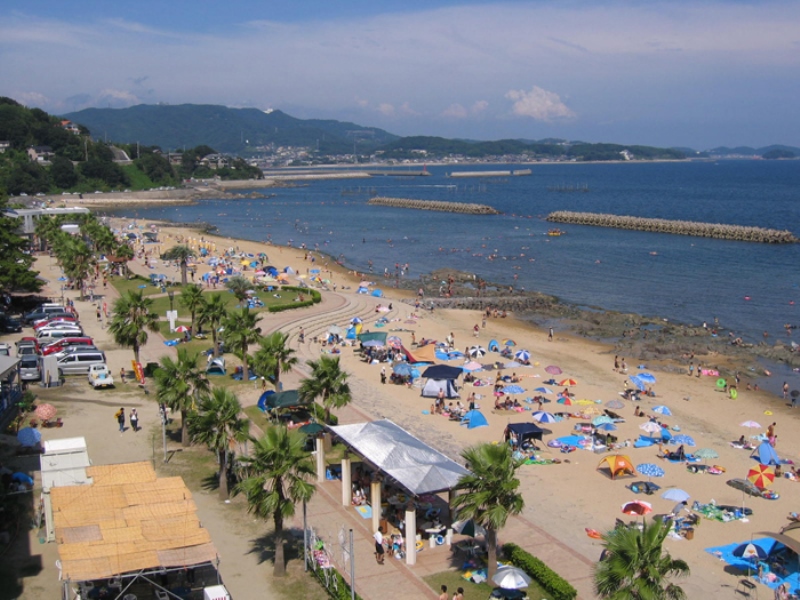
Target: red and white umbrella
{"type": "Point", "coordinates": [182, 329]}
{"type": "Point", "coordinates": [637, 508]}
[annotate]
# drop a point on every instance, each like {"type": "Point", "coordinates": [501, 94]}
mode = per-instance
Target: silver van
{"type": "Point", "coordinates": [29, 368]}
{"type": "Point", "coordinates": [49, 334]}
{"type": "Point", "coordinates": [78, 363]}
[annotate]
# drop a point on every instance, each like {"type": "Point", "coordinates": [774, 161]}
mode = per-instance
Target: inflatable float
{"type": "Point", "coordinates": [593, 533]}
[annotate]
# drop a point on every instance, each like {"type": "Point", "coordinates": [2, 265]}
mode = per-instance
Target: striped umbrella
{"type": "Point", "coordinates": [750, 424]}
{"type": "Point", "coordinates": [522, 355]}
{"type": "Point", "coordinates": [761, 476]}
{"type": "Point", "coordinates": [568, 382]}
{"type": "Point", "coordinates": [564, 400]}
{"type": "Point", "coordinates": [477, 351]}
{"type": "Point", "coordinates": [543, 417]}
{"type": "Point", "coordinates": [543, 390]}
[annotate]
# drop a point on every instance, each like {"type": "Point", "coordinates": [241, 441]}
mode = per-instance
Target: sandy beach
{"type": "Point", "coordinates": [563, 499]}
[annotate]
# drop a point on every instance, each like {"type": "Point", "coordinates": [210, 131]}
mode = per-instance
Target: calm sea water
{"type": "Point", "coordinates": [683, 279]}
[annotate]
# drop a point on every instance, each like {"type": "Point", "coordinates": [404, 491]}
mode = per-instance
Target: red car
{"type": "Point", "coordinates": [51, 322]}
{"type": "Point", "coordinates": [66, 342]}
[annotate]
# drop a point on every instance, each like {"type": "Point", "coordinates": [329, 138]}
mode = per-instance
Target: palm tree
{"type": "Point", "coordinates": [327, 382]}
{"type": "Point", "coordinates": [191, 299]}
{"type": "Point", "coordinates": [636, 566]}
{"type": "Point", "coordinates": [180, 384]}
{"type": "Point", "coordinates": [75, 257]}
{"type": "Point", "coordinates": [490, 492]}
{"type": "Point", "coordinates": [182, 254]}
{"type": "Point", "coordinates": [239, 286]}
{"type": "Point", "coordinates": [131, 321]}
{"type": "Point", "coordinates": [218, 424]}
{"type": "Point", "coordinates": [213, 312]}
{"type": "Point", "coordinates": [274, 357]}
{"type": "Point", "coordinates": [276, 479]}
{"type": "Point", "coordinates": [240, 332]}
{"type": "Point", "coordinates": [126, 252]}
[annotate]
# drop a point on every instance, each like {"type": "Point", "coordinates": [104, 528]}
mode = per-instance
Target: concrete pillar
{"type": "Point", "coordinates": [375, 501]}
{"type": "Point", "coordinates": [347, 481]}
{"type": "Point", "coordinates": [411, 534]}
{"type": "Point", "coordinates": [320, 459]}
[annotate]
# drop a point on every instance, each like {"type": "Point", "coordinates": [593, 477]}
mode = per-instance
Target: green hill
{"type": "Point", "coordinates": [228, 130]}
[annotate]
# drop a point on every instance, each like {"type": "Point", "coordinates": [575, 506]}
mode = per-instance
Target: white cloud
{"type": "Point", "coordinates": [479, 107]}
{"type": "Point", "coordinates": [386, 109]}
{"type": "Point", "coordinates": [539, 104]}
{"type": "Point", "coordinates": [455, 111]}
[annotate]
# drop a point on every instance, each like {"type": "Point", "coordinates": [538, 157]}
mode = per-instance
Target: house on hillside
{"type": "Point", "coordinates": [214, 161]}
{"type": "Point", "coordinates": [70, 126]}
{"type": "Point", "coordinates": [40, 154]}
{"type": "Point", "coordinates": [4, 145]}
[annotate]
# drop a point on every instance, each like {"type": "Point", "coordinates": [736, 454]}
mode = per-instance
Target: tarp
{"type": "Point", "coordinates": [766, 454]}
{"type": "Point", "coordinates": [377, 336]}
{"type": "Point", "coordinates": [432, 387]}
{"type": "Point", "coordinates": [409, 461]}
{"type": "Point", "coordinates": [285, 399]}
{"type": "Point", "coordinates": [425, 354]}
{"type": "Point", "coordinates": [526, 431]}
{"type": "Point", "coordinates": [442, 372]}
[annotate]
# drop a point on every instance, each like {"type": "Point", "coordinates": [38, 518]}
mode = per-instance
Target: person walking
{"type": "Point", "coordinates": [121, 419]}
{"type": "Point", "coordinates": [379, 551]}
{"type": "Point", "coordinates": [691, 369]}
{"type": "Point", "coordinates": [785, 390]}
{"type": "Point", "coordinates": [122, 375]}
{"type": "Point", "coordinates": [134, 420]}
{"type": "Point", "coordinates": [383, 374]}
{"type": "Point", "coordinates": [550, 335]}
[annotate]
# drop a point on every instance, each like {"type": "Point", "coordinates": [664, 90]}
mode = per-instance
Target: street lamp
{"type": "Point", "coordinates": [171, 295]}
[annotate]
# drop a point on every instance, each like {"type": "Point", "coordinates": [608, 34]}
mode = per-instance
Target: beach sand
{"type": "Point", "coordinates": [562, 499]}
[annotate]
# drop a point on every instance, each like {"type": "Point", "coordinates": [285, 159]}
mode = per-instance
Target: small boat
{"type": "Point", "coordinates": [555, 232]}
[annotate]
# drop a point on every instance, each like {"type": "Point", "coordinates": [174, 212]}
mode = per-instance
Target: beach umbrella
{"type": "Point", "coordinates": [28, 436]}
{"type": "Point", "coordinates": [650, 470]}
{"type": "Point", "coordinates": [511, 578]}
{"type": "Point", "coordinates": [650, 427]}
{"type": "Point", "coordinates": [607, 427]}
{"type": "Point", "coordinates": [564, 400]}
{"type": "Point", "coordinates": [542, 416]}
{"type": "Point", "coordinates": [469, 528]}
{"type": "Point", "coordinates": [553, 370]}
{"type": "Point", "coordinates": [513, 389]}
{"type": "Point", "coordinates": [615, 404]}
{"type": "Point", "coordinates": [509, 342]}
{"type": "Point", "coordinates": [373, 344]}
{"type": "Point", "coordinates": [647, 377]}
{"type": "Point", "coordinates": [472, 366]}
{"type": "Point", "coordinates": [750, 551]}
{"type": "Point", "coordinates": [567, 382]}
{"type": "Point", "coordinates": [182, 329]}
{"type": "Point", "coordinates": [706, 453]}
{"type": "Point", "coordinates": [543, 390]}
{"type": "Point", "coordinates": [477, 351]}
{"type": "Point", "coordinates": [750, 424]}
{"type": "Point", "coordinates": [394, 341]}
{"type": "Point", "coordinates": [640, 385]}
{"type": "Point", "coordinates": [662, 410]}
{"type": "Point", "coordinates": [601, 420]}
{"type": "Point", "coordinates": [356, 320]}
{"type": "Point", "coordinates": [761, 476]}
{"type": "Point", "coordinates": [522, 355]}
{"type": "Point", "coordinates": [676, 495]}
{"type": "Point", "coordinates": [403, 369]}
{"type": "Point", "coordinates": [45, 411]}
{"type": "Point", "coordinates": [686, 440]}
{"type": "Point", "coordinates": [637, 508]}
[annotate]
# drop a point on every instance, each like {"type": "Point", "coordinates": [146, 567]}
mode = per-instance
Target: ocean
{"type": "Point", "coordinates": [751, 288]}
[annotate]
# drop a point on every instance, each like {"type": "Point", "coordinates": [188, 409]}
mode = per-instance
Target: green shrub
{"type": "Point", "coordinates": [551, 582]}
{"type": "Point", "coordinates": [314, 298]}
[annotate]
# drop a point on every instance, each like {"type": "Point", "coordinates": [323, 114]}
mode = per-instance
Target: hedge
{"type": "Point", "coordinates": [342, 591]}
{"type": "Point", "coordinates": [549, 580]}
{"type": "Point", "coordinates": [315, 297]}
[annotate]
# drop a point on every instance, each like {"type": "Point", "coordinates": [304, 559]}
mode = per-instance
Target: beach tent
{"type": "Point", "coordinates": [766, 454]}
{"type": "Point", "coordinates": [442, 372]}
{"type": "Point", "coordinates": [216, 366]}
{"type": "Point", "coordinates": [432, 387]}
{"type": "Point", "coordinates": [378, 336]}
{"type": "Point", "coordinates": [473, 419]}
{"type": "Point", "coordinates": [617, 464]}
{"type": "Point", "coordinates": [493, 346]}
{"type": "Point", "coordinates": [426, 354]}
{"type": "Point", "coordinates": [351, 333]}
{"type": "Point", "coordinates": [525, 431]}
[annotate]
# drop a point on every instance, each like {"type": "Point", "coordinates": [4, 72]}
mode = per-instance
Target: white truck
{"type": "Point", "coordinates": [100, 376]}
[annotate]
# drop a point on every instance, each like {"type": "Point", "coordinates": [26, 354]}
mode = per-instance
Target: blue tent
{"type": "Point", "coordinates": [493, 346]}
{"type": "Point", "coordinates": [377, 293]}
{"type": "Point", "coordinates": [351, 333]}
{"type": "Point", "coordinates": [766, 454]}
{"type": "Point", "coordinates": [473, 419]}
{"type": "Point", "coordinates": [262, 401]}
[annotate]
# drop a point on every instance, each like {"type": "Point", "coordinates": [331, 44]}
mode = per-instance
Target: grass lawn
{"type": "Point", "coordinates": [474, 591]}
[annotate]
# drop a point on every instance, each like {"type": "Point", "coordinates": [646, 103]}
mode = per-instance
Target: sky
{"type": "Point", "coordinates": [664, 73]}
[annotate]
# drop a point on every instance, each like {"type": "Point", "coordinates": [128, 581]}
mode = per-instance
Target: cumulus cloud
{"type": "Point", "coordinates": [539, 104]}
{"type": "Point", "coordinates": [386, 109]}
{"type": "Point", "coordinates": [455, 111]}
{"type": "Point", "coordinates": [479, 107]}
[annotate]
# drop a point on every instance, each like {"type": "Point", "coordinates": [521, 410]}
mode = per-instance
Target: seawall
{"type": "Point", "coordinates": [453, 207]}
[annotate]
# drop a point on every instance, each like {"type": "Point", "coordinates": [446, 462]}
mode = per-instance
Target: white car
{"type": "Point", "coordinates": [100, 376]}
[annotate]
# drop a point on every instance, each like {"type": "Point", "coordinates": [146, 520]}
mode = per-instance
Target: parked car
{"type": "Point", "coordinates": [100, 376]}
{"type": "Point", "coordinates": [9, 324]}
{"type": "Point", "coordinates": [75, 350]}
{"type": "Point", "coordinates": [45, 317]}
{"type": "Point", "coordinates": [27, 345]}
{"type": "Point", "coordinates": [64, 343]}
{"type": "Point", "coordinates": [79, 363]}
{"type": "Point", "coordinates": [5, 350]}
{"type": "Point", "coordinates": [29, 368]}
{"type": "Point", "coordinates": [49, 334]}
{"type": "Point", "coordinates": [55, 321]}
{"type": "Point", "coordinates": [43, 313]}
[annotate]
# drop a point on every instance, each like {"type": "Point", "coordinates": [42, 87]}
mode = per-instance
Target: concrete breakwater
{"type": "Point", "coordinates": [437, 205]}
{"type": "Point", "coordinates": [694, 228]}
{"type": "Point", "coordinates": [515, 173]}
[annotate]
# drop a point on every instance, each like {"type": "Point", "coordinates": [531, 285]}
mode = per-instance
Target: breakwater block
{"type": "Point", "coordinates": [694, 228]}
{"type": "Point", "coordinates": [437, 205]}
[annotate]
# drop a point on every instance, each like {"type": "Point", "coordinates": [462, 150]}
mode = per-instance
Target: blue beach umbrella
{"type": "Point", "coordinates": [513, 389]}
{"type": "Point", "coordinates": [522, 355]}
{"type": "Point", "coordinates": [662, 410]}
{"type": "Point", "coordinates": [601, 420]}
{"type": "Point", "coordinates": [543, 417]}
{"type": "Point", "coordinates": [640, 385]}
{"type": "Point", "coordinates": [647, 377]}
{"type": "Point", "coordinates": [686, 440]}
{"type": "Point", "coordinates": [607, 427]}
{"type": "Point", "coordinates": [650, 470]}
{"type": "Point", "coordinates": [676, 495]}
{"type": "Point", "coordinates": [543, 390]}
{"type": "Point", "coordinates": [402, 369]}
{"type": "Point", "coordinates": [28, 436]}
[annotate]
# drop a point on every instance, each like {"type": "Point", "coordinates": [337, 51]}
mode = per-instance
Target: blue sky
{"type": "Point", "coordinates": [677, 73]}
